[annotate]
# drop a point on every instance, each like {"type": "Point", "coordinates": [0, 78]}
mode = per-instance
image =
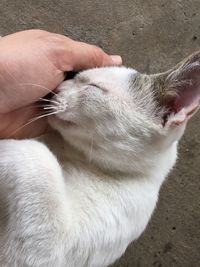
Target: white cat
{"type": "Point", "coordinates": [82, 197]}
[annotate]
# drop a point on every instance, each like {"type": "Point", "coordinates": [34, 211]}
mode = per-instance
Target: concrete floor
{"type": "Point", "coordinates": [151, 36]}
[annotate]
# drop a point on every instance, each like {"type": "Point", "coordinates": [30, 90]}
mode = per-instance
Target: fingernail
{"type": "Point", "coordinates": [117, 60]}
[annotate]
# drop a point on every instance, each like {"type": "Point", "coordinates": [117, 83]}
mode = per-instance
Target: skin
{"type": "Point", "coordinates": [33, 63]}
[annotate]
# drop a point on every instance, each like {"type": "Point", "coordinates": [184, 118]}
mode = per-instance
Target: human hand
{"type": "Point", "coordinates": [32, 63]}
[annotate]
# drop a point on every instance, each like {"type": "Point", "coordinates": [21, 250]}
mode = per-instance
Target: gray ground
{"type": "Point", "coordinates": [151, 35]}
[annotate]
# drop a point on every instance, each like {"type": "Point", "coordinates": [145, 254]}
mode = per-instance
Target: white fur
{"type": "Point", "coordinates": [83, 200]}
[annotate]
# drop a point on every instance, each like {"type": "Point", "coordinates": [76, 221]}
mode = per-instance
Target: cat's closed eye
{"type": "Point", "coordinates": [99, 86]}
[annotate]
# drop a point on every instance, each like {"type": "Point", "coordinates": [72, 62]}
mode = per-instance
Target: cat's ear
{"type": "Point", "coordinates": [181, 90]}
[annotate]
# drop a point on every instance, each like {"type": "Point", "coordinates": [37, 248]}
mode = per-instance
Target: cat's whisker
{"type": "Point", "coordinates": [38, 85]}
{"type": "Point", "coordinates": [44, 115]}
{"type": "Point", "coordinates": [31, 121]}
{"type": "Point", "coordinates": [50, 107]}
{"type": "Point", "coordinates": [49, 100]}
{"type": "Point", "coordinates": [41, 106]}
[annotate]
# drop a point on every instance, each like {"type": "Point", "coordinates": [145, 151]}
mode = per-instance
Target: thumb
{"type": "Point", "coordinates": [85, 56]}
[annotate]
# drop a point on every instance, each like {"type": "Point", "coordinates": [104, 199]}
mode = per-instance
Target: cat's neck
{"type": "Point", "coordinates": [154, 168]}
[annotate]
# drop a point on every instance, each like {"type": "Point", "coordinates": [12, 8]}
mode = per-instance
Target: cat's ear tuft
{"type": "Point", "coordinates": [181, 92]}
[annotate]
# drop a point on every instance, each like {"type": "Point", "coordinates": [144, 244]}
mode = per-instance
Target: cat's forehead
{"type": "Point", "coordinates": [115, 75]}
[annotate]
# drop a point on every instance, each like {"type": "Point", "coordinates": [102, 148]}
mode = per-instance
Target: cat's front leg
{"type": "Point", "coordinates": [33, 206]}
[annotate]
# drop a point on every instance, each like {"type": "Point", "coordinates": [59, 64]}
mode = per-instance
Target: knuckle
{"type": "Point", "coordinates": [98, 55]}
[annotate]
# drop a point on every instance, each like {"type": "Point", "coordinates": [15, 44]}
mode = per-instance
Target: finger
{"type": "Point", "coordinates": [85, 56]}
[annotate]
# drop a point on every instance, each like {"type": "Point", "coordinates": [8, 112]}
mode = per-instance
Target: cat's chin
{"type": "Point", "coordinates": [56, 122]}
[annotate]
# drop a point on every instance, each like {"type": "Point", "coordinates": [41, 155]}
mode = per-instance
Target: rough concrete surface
{"type": "Point", "coordinates": [151, 35]}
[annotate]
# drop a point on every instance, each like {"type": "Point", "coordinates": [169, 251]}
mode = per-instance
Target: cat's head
{"type": "Point", "coordinates": [117, 116]}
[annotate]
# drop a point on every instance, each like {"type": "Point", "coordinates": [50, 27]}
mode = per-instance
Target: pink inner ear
{"type": "Point", "coordinates": [184, 105]}
{"type": "Point", "coordinates": [183, 115]}
{"type": "Point", "coordinates": [186, 98]}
